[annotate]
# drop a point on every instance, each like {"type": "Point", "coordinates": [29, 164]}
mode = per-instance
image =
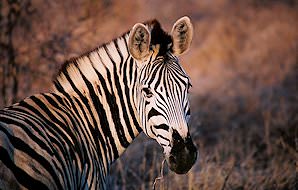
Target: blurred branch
{"type": "Point", "coordinates": [54, 46]}
{"type": "Point", "coordinates": [10, 19]}
{"type": "Point", "coordinates": [231, 164]}
{"type": "Point", "coordinates": [3, 46]}
{"type": "Point", "coordinates": [160, 178]}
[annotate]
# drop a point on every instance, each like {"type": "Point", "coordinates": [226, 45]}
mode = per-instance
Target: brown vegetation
{"type": "Point", "coordinates": [243, 66]}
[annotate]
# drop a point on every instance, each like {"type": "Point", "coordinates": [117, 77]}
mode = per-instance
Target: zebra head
{"type": "Point", "coordinates": [161, 90]}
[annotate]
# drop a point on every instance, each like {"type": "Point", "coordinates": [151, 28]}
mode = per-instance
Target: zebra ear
{"type": "Point", "coordinates": [139, 41]}
{"type": "Point", "coordinates": [182, 33]}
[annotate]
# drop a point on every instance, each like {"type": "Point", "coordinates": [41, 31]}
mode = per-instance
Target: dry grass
{"type": "Point", "coordinates": [242, 150]}
{"type": "Point", "coordinates": [244, 104]}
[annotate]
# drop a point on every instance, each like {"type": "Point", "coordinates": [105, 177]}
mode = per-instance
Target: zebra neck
{"type": "Point", "coordinates": [104, 82]}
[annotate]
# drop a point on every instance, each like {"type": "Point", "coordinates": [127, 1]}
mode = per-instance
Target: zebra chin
{"type": "Point", "coordinates": [183, 154]}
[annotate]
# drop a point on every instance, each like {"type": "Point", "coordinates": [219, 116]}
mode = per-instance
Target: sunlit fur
{"type": "Point", "coordinates": [67, 139]}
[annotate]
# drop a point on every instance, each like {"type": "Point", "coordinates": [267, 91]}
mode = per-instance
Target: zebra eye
{"type": "Point", "coordinates": [147, 92]}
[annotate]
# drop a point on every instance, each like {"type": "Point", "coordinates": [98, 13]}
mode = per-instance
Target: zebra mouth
{"type": "Point", "coordinates": [183, 154]}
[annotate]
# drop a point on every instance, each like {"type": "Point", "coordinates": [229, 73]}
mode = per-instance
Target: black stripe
{"type": "Point", "coordinates": [160, 75]}
{"type": "Point", "coordinates": [50, 142]}
{"type": "Point", "coordinates": [59, 142]}
{"type": "Point", "coordinates": [162, 126]}
{"type": "Point", "coordinates": [100, 110]}
{"type": "Point", "coordinates": [95, 133]}
{"type": "Point", "coordinates": [156, 70]}
{"type": "Point", "coordinates": [163, 137]}
{"type": "Point", "coordinates": [80, 147]}
{"type": "Point", "coordinates": [22, 146]}
{"type": "Point", "coordinates": [153, 112]}
{"type": "Point", "coordinates": [131, 64]}
{"type": "Point", "coordinates": [103, 119]}
{"type": "Point", "coordinates": [151, 127]}
{"type": "Point", "coordinates": [119, 53]}
{"type": "Point", "coordinates": [96, 102]}
{"type": "Point", "coordinates": [25, 128]}
{"type": "Point", "coordinates": [115, 108]}
{"type": "Point", "coordinates": [126, 92]}
{"type": "Point", "coordinates": [62, 125]}
{"type": "Point", "coordinates": [22, 177]}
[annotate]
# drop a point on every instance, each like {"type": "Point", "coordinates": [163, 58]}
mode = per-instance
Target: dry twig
{"type": "Point", "coordinates": [161, 174]}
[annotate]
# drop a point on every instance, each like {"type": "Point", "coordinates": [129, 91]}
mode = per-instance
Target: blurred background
{"type": "Point", "coordinates": [243, 66]}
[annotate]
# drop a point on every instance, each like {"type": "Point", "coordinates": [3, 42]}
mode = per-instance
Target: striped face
{"type": "Point", "coordinates": [162, 97]}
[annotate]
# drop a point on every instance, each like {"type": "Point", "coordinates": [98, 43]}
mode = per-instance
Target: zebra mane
{"type": "Point", "coordinates": [74, 68]}
{"type": "Point", "coordinates": [159, 36]}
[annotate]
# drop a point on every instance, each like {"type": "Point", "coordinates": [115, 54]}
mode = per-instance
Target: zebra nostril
{"type": "Point", "coordinates": [172, 159]}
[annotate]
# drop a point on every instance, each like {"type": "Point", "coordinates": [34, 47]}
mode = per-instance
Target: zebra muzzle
{"type": "Point", "coordinates": [183, 154]}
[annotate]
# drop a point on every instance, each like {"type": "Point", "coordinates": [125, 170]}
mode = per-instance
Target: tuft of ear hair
{"type": "Point", "coordinates": [139, 41]}
{"type": "Point", "coordinates": [182, 33]}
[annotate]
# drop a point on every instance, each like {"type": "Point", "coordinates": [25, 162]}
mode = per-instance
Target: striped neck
{"type": "Point", "coordinates": [105, 81]}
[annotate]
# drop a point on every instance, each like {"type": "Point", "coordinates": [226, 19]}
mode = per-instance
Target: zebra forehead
{"type": "Point", "coordinates": [159, 37]}
{"type": "Point", "coordinates": [163, 71]}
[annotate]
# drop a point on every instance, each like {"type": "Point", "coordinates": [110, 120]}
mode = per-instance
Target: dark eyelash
{"type": "Point", "coordinates": [147, 92]}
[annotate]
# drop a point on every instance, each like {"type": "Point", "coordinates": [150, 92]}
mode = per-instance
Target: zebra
{"type": "Point", "coordinates": [100, 101]}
